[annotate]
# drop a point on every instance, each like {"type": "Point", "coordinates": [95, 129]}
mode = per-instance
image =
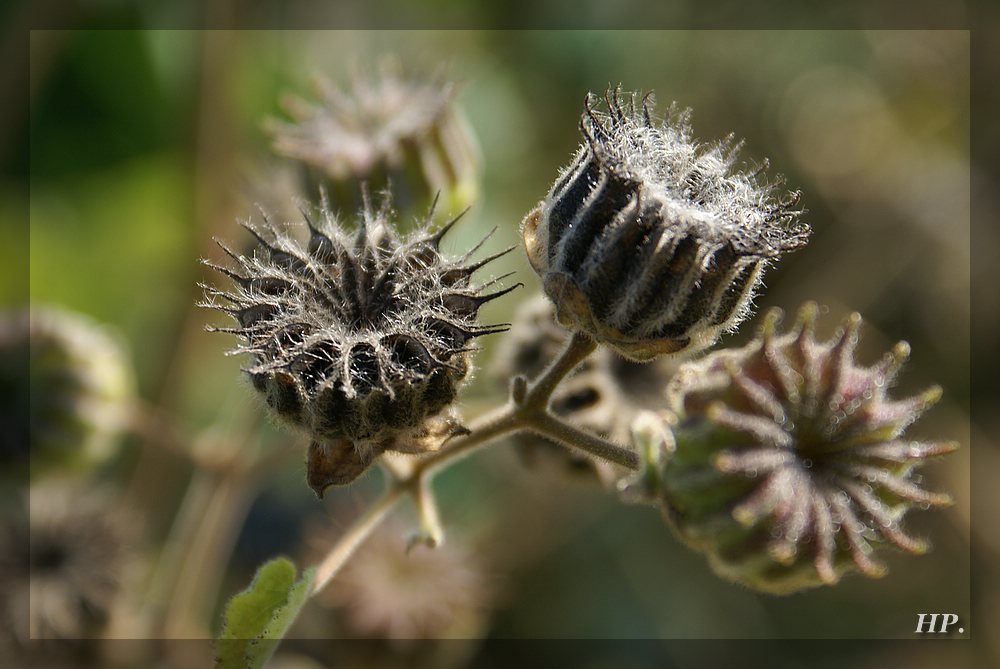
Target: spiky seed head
{"type": "Point", "coordinates": [67, 384]}
{"type": "Point", "coordinates": [362, 340]}
{"type": "Point", "coordinates": [651, 242]}
{"type": "Point", "coordinates": [603, 394]}
{"type": "Point", "coordinates": [790, 466]}
{"type": "Point", "coordinates": [383, 126]}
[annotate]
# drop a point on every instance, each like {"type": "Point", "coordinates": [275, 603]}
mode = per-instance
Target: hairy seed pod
{"type": "Point", "coordinates": [81, 385]}
{"type": "Point", "coordinates": [362, 342]}
{"type": "Point", "coordinates": [790, 466]}
{"type": "Point", "coordinates": [649, 242]}
{"type": "Point", "coordinates": [384, 126]}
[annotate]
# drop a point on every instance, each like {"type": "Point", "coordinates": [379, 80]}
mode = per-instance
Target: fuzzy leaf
{"type": "Point", "coordinates": [257, 618]}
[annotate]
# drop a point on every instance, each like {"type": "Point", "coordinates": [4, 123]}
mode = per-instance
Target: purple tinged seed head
{"type": "Point", "coordinates": [790, 466]}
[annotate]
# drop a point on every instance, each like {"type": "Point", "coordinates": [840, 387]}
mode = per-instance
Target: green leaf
{"type": "Point", "coordinates": [257, 618]}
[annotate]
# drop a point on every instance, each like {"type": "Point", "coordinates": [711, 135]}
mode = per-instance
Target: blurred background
{"type": "Point", "coordinates": [143, 145]}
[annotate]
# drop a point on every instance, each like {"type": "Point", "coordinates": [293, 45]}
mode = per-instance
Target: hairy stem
{"type": "Point", "coordinates": [562, 432]}
{"type": "Point", "coordinates": [431, 533]}
{"type": "Point", "coordinates": [576, 351]}
{"type": "Point", "coordinates": [527, 409]}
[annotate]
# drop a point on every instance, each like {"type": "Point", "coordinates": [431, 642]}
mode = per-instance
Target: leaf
{"type": "Point", "coordinates": [257, 619]}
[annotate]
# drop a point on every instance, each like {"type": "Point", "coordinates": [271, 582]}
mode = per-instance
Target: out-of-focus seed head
{"type": "Point", "coordinates": [66, 386]}
{"type": "Point", "coordinates": [790, 466]}
{"type": "Point", "coordinates": [82, 551]}
{"type": "Point", "coordinates": [360, 340]}
{"type": "Point", "coordinates": [603, 394]}
{"type": "Point", "coordinates": [386, 126]}
{"type": "Point", "coordinates": [651, 242]}
{"type": "Point", "coordinates": [411, 594]}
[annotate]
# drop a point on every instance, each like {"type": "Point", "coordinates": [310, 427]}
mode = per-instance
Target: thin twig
{"type": "Point", "coordinates": [431, 532]}
{"type": "Point", "coordinates": [562, 432]}
{"type": "Point", "coordinates": [207, 552]}
{"type": "Point", "coordinates": [355, 535]}
{"type": "Point", "coordinates": [526, 410]}
{"type": "Point", "coordinates": [576, 351]}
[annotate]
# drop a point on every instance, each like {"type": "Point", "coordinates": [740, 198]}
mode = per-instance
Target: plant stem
{"type": "Point", "coordinates": [562, 432]}
{"type": "Point", "coordinates": [206, 551]}
{"type": "Point", "coordinates": [576, 351]}
{"type": "Point", "coordinates": [526, 410]}
{"type": "Point", "coordinates": [431, 532]}
{"type": "Point", "coordinates": [355, 535]}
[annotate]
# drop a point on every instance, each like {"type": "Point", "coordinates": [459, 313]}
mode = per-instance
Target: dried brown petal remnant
{"type": "Point", "coordinates": [651, 242]}
{"type": "Point", "coordinates": [790, 467]}
{"type": "Point", "coordinates": [362, 341]}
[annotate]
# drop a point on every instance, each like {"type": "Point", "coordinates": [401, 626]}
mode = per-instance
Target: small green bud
{"type": "Point", "coordinates": [653, 440]}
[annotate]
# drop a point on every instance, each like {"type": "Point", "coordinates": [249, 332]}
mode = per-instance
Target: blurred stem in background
{"type": "Point", "coordinates": [213, 167]}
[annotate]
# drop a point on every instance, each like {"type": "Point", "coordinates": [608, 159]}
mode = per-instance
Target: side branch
{"type": "Point", "coordinates": [527, 409]}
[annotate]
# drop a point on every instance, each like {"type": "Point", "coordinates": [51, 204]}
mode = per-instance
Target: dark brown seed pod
{"type": "Point", "coordinates": [361, 341]}
{"type": "Point", "coordinates": [790, 467]}
{"type": "Point", "coordinates": [650, 242]}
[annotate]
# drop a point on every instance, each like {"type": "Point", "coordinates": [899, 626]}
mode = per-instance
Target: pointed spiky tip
{"type": "Point", "coordinates": [358, 337]}
{"type": "Point", "coordinates": [799, 451]}
{"type": "Point", "coordinates": [388, 122]}
{"type": "Point", "coordinates": [651, 242]}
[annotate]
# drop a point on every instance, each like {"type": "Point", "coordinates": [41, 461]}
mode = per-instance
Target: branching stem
{"type": "Point", "coordinates": [526, 410]}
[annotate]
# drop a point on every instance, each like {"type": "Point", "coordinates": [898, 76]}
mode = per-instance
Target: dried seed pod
{"type": "Point", "coordinates": [603, 394]}
{"type": "Point", "coordinates": [650, 242]}
{"type": "Point", "coordinates": [790, 466]}
{"type": "Point", "coordinates": [408, 594]}
{"type": "Point", "coordinates": [81, 385]}
{"type": "Point", "coordinates": [384, 126]}
{"type": "Point", "coordinates": [72, 557]}
{"type": "Point", "coordinates": [361, 342]}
